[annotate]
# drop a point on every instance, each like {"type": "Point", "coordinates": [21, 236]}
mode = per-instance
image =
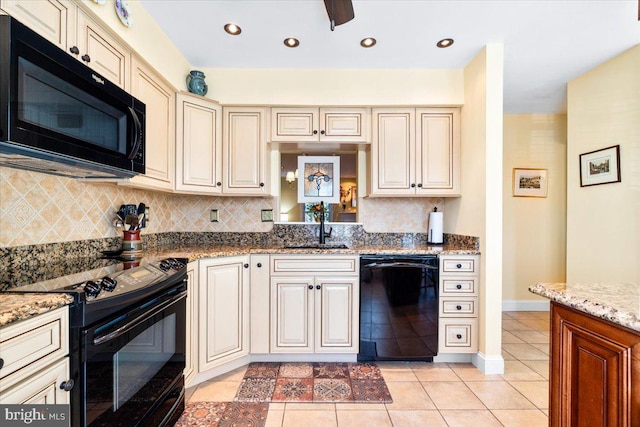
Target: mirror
{"type": "Point", "coordinates": [292, 211]}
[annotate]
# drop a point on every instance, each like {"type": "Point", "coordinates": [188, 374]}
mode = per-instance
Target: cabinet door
{"type": "Point", "coordinates": [102, 52]}
{"type": "Point", "coordinates": [224, 311]}
{"type": "Point", "coordinates": [336, 319]}
{"type": "Point", "coordinates": [594, 364]}
{"type": "Point", "coordinates": [393, 152]}
{"type": "Point", "coordinates": [292, 314]}
{"type": "Point", "coordinates": [344, 124]}
{"type": "Point", "coordinates": [191, 345]}
{"type": "Point", "coordinates": [244, 150]}
{"type": "Point", "coordinates": [42, 388]}
{"type": "Point", "coordinates": [294, 124]}
{"type": "Point", "coordinates": [260, 289]}
{"type": "Point", "coordinates": [437, 151]}
{"type": "Point", "coordinates": [159, 99]}
{"type": "Point", "coordinates": [199, 145]}
{"type": "Point", "coordinates": [54, 20]}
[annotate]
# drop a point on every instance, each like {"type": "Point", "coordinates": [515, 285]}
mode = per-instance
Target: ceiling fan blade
{"type": "Point", "coordinates": [339, 11]}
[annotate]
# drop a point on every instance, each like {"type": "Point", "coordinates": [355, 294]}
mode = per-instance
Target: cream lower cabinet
{"type": "Point", "coordinates": [191, 344]}
{"type": "Point", "coordinates": [35, 359]}
{"type": "Point", "coordinates": [223, 315]}
{"type": "Point", "coordinates": [314, 304]}
{"type": "Point", "coordinates": [415, 152]}
{"type": "Point", "coordinates": [458, 301]}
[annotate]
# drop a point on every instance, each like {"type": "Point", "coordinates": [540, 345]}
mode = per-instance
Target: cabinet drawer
{"type": "Point", "coordinates": [458, 336]}
{"type": "Point", "coordinates": [456, 286]}
{"type": "Point", "coordinates": [32, 344]}
{"type": "Point", "coordinates": [458, 307]}
{"type": "Point", "coordinates": [318, 265]}
{"type": "Point", "coordinates": [459, 265]}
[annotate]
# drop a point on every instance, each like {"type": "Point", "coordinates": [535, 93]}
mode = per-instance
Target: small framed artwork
{"type": "Point", "coordinates": [600, 166]}
{"type": "Point", "coordinates": [529, 182]}
{"type": "Point", "coordinates": [319, 179]}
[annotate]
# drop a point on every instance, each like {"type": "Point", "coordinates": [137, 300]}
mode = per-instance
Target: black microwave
{"type": "Point", "coordinates": [58, 116]}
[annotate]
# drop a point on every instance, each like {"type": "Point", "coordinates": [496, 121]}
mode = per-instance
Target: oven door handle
{"type": "Point", "coordinates": [401, 265]}
{"type": "Point", "coordinates": [168, 301]}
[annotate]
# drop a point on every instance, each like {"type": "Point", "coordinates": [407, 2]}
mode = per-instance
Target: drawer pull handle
{"type": "Point", "coordinates": [259, 264]}
{"type": "Point", "coordinates": [458, 286]}
{"type": "Point", "coordinates": [459, 336]}
{"type": "Point", "coordinates": [458, 307]}
{"type": "Point", "coordinates": [86, 58]}
{"type": "Point", "coordinates": [74, 50]}
{"type": "Point", "coordinates": [67, 385]}
{"type": "Point", "coordinates": [310, 286]}
{"type": "Point", "coordinates": [458, 265]}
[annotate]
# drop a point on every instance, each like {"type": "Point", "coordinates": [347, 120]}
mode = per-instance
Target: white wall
{"type": "Point", "coordinates": [534, 232]}
{"type": "Point", "coordinates": [603, 221]}
{"type": "Point", "coordinates": [479, 211]}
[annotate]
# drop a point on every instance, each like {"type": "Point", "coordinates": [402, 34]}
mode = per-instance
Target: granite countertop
{"type": "Point", "coordinates": [618, 303]}
{"type": "Point", "coordinates": [14, 307]}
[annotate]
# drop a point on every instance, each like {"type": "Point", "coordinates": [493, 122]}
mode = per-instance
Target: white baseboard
{"type": "Point", "coordinates": [453, 358]}
{"type": "Point", "coordinates": [531, 305]}
{"type": "Point", "coordinates": [488, 365]}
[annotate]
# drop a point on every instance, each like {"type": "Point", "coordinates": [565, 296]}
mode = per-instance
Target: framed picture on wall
{"type": "Point", "coordinates": [600, 166]}
{"type": "Point", "coordinates": [529, 182]}
{"type": "Point", "coordinates": [319, 179]}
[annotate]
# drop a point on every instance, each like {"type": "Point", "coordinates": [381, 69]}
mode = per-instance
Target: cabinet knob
{"type": "Point", "coordinates": [259, 265]}
{"type": "Point", "coordinates": [458, 286]}
{"type": "Point", "coordinates": [262, 184]}
{"type": "Point", "coordinates": [413, 186]}
{"type": "Point", "coordinates": [218, 183]}
{"type": "Point", "coordinates": [310, 286]}
{"type": "Point", "coordinates": [246, 266]}
{"type": "Point", "coordinates": [420, 185]}
{"type": "Point", "coordinates": [458, 307]}
{"type": "Point", "coordinates": [1, 362]}
{"type": "Point", "coordinates": [86, 58]}
{"type": "Point", "coordinates": [322, 132]}
{"type": "Point", "coordinates": [459, 336]}
{"type": "Point", "coordinates": [74, 50]}
{"type": "Point", "coordinates": [315, 132]}
{"type": "Point", "coordinates": [318, 287]}
{"type": "Point", "coordinates": [67, 385]}
{"type": "Point", "coordinates": [458, 265]}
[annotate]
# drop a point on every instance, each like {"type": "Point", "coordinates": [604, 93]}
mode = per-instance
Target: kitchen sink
{"type": "Point", "coordinates": [318, 246]}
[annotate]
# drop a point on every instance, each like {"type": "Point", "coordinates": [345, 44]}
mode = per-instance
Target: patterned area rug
{"type": "Point", "coordinates": [224, 414]}
{"type": "Point", "coordinates": [313, 382]}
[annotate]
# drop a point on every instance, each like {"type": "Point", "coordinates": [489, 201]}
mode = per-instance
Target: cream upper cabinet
{"type": "Point", "coordinates": [198, 145]}
{"type": "Point", "coordinates": [415, 152]}
{"type": "Point", "coordinates": [102, 52]}
{"type": "Point", "coordinates": [159, 98]}
{"type": "Point", "coordinates": [320, 124]}
{"type": "Point", "coordinates": [55, 20]}
{"type": "Point", "coordinates": [244, 151]}
{"type": "Point", "coordinates": [223, 321]}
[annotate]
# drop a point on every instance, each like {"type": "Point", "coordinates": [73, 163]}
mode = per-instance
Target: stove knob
{"type": "Point", "coordinates": [92, 289]}
{"type": "Point", "coordinates": [108, 283]}
{"type": "Point", "coordinates": [165, 265]}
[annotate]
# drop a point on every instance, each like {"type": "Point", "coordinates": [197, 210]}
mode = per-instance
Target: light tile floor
{"type": "Point", "coordinates": [427, 394]}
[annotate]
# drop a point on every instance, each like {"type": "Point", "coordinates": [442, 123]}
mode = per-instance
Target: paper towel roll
{"type": "Point", "coordinates": [436, 225]}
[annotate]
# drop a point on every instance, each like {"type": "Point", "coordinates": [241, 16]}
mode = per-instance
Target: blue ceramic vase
{"type": "Point", "coordinates": [195, 83]}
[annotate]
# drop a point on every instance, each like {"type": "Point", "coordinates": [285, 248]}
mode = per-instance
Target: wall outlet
{"type": "Point", "coordinates": [267, 215]}
{"type": "Point", "coordinates": [213, 215]}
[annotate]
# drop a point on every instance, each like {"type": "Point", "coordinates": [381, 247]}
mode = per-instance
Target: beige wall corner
{"type": "Point", "coordinates": [603, 221]}
{"type": "Point", "coordinates": [534, 233]}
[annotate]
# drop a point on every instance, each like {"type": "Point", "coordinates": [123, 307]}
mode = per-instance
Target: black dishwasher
{"type": "Point", "coordinates": [398, 307]}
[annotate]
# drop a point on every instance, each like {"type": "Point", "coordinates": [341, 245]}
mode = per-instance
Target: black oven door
{"type": "Point", "coordinates": [133, 365]}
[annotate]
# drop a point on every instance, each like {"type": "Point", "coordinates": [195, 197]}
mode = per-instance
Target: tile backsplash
{"type": "Point", "coordinates": [37, 208]}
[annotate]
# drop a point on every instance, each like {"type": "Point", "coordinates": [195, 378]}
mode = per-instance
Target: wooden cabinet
{"type": "Point", "coordinates": [458, 302]}
{"type": "Point", "coordinates": [191, 345]}
{"type": "Point", "coordinates": [314, 304]}
{"type": "Point", "coordinates": [260, 312]}
{"type": "Point", "coordinates": [594, 364]}
{"type": "Point", "coordinates": [245, 151]}
{"type": "Point", "coordinates": [70, 28]}
{"type": "Point", "coordinates": [198, 145]}
{"type": "Point", "coordinates": [415, 152]}
{"type": "Point", "coordinates": [223, 311]}
{"type": "Point", "coordinates": [35, 363]}
{"type": "Point", "coordinates": [159, 155]}
{"type": "Point", "coordinates": [320, 124]}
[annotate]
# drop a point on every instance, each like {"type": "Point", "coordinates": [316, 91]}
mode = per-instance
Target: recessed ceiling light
{"type": "Point", "coordinates": [232, 29]}
{"type": "Point", "coordinates": [444, 43]}
{"type": "Point", "coordinates": [291, 42]}
{"type": "Point", "coordinates": [368, 42]}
